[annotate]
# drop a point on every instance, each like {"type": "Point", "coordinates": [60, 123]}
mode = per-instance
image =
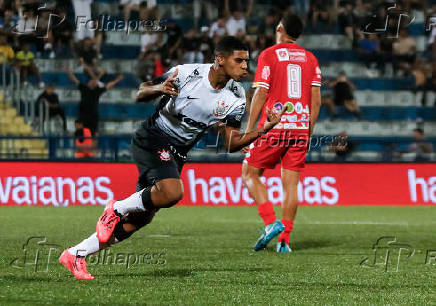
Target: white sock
{"type": "Point", "coordinates": [131, 204]}
{"type": "Point", "coordinates": [88, 246]}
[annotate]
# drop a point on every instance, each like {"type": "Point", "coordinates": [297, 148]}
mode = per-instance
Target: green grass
{"type": "Point", "coordinates": [209, 258]}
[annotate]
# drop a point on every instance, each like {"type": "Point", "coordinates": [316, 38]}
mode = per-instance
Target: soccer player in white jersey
{"type": "Point", "coordinates": [195, 98]}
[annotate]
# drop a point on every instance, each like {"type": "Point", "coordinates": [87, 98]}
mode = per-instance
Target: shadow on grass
{"type": "Point", "coordinates": [180, 273]}
{"type": "Point", "coordinates": [303, 245]}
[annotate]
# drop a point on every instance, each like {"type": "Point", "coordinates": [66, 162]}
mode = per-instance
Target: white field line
{"type": "Point", "coordinates": [354, 223]}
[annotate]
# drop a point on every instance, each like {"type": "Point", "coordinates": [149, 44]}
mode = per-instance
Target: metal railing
{"type": "Point", "coordinates": [21, 97]}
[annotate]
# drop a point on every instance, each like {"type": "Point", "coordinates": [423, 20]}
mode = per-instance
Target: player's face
{"type": "Point", "coordinates": [236, 65]}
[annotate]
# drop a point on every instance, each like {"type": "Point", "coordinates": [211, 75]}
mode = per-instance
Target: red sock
{"type": "Point", "coordinates": [266, 212]}
{"type": "Point", "coordinates": [284, 236]}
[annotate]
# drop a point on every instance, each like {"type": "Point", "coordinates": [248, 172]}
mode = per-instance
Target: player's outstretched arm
{"type": "Point", "coordinates": [257, 103]}
{"type": "Point", "coordinates": [149, 90]}
{"type": "Point", "coordinates": [315, 106]}
{"type": "Point", "coordinates": [235, 140]}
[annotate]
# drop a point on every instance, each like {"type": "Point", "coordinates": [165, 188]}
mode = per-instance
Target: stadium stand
{"type": "Point", "coordinates": [389, 107]}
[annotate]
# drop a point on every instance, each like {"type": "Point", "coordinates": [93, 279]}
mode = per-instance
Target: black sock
{"type": "Point", "coordinates": [146, 199]}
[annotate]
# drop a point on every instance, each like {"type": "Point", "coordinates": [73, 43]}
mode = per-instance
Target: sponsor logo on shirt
{"type": "Point", "coordinates": [278, 107]}
{"type": "Point", "coordinates": [297, 56]}
{"type": "Point", "coordinates": [282, 54]}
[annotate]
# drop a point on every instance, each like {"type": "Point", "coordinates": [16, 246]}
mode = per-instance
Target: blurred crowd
{"type": "Point", "coordinates": [377, 32]}
{"type": "Point", "coordinates": [376, 29]}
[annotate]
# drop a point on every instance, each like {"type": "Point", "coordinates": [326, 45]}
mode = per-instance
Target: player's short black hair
{"type": "Point", "coordinates": [292, 25]}
{"type": "Point", "coordinates": [228, 44]}
{"type": "Point", "coordinates": [420, 131]}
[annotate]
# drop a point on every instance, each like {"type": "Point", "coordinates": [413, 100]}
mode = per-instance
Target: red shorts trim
{"type": "Point", "coordinates": [266, 153]}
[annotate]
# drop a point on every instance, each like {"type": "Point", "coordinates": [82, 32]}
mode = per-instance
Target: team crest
{"type": "Point", "coordinates": [164, 155]}
{"type": "Point", "coordinates": [220, 109]}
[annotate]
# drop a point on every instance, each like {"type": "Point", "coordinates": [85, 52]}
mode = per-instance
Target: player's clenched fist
{"type": "Point", "coordinates": [168, 87]}
{"type": "Point", "coordinates": [149, 90]}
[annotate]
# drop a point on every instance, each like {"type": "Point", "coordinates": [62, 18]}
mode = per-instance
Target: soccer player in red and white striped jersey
{"type": "Point", "coordinates": [288, 78]}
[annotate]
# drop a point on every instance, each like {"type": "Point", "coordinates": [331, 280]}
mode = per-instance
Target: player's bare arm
{"type": "Point", "coordinates": [149, 90]}
{"type": "Point", "coordinates": [113, 83]}
{"type": "Point", "coordinates": [71, 76]}
{"type": "Point", "coordinates": [257, 104]}
{"type": "Point", "coordinates": [315, 106]}
{"type": "Point", "coordinates": [235, 140]}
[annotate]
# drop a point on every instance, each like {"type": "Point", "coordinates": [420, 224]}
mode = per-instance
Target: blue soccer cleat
{"type": "Point", "coordinates": [268, 234]}
{"type": "Point", "coordinates": [283, 247]}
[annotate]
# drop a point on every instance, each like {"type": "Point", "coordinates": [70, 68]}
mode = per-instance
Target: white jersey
{"type": "Point", "coordinates": [198, 105]}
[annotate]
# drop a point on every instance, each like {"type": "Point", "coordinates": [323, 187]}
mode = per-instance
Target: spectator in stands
{"type": "Point", "coordinates": [171, 48]}
{"type": "Point", "coordinates": [420, 146]}
{"type": "Point", "coordinates": [129, 6]}
{"type": "Point", "coordinates": [404, 53]}
{"type": "Point", "coordinates": [148, 10]}
{"type": "Point", "coordinates": [8, 22]}
{"type": "Point", "coordinates": [82, 10]}
{"type": "Point", "coordinates": [206, 45]}
{"type": "Point", "coordinates": [26, 27]}
{"type": "Point", "coordinates": [423, 79]}
{"type": "Point", "coordinates": [25, 63]}
{"type": "Point", "coordinates": [63, 36]}
{"type": "Point", "coordinates": [369, 52]}
{"type": "Point", "coordinates": [151, 41]}
{"type": "Point", "coordinates": [48, 98]}
{"type": "Point", "coordinates": [43, 34]}
{"type": "Point", "coordinates": [7, 54]}
{"type": "Point", "coordinates": [89, 99]}
{"type": "Point", "coordinates": [319, 13]}
{"type": "Point", "coordinates": [341, 146]}
{"type": "Point", "coordinates": [236, 20]}
{"type": "Point", "coordinates": [88, 59]}
{"type": "Point", "coordinates": [346, 19]}
{"type": "Point", "coordinates": [191, 48]}
{"type": "Point", "coordinates": [301, 8]}
{"type": "Point", "coordinates": [431, 28]}
{"type": "Point", "coordinates": [218, 29]}
{"type": "Point", "coordinates": [84, 142]}
{"type": "Point", "coordinates": [204, 8]}
{"type": "Point", "coordinates": [267, 27]}
{"type": "Point", "coordinates": [342, 95]}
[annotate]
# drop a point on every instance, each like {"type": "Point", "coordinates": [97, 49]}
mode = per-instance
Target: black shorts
{"type": "Point", "coordinates": [155, 156]}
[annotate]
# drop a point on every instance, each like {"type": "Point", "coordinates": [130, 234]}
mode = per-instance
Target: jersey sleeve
{"type": "Point", "coordinates": [234, 118]}
{"type": "Point", "coordinates": [316, 80]}
{"type": "Point", "coordinates": [263, 72]}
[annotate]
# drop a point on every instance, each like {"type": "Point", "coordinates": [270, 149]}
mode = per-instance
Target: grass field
{"type": "Point", "coordinates": [207, 258]}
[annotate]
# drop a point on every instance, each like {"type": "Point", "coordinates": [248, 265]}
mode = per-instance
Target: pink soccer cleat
{"type": "Point", "coordinates": [76, 265]}
{"type": "Point", "coordinates": [106, 224]}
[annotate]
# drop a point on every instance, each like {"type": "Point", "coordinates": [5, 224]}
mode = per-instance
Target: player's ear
{"type": "Point", "coordinates": [220, 59]}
